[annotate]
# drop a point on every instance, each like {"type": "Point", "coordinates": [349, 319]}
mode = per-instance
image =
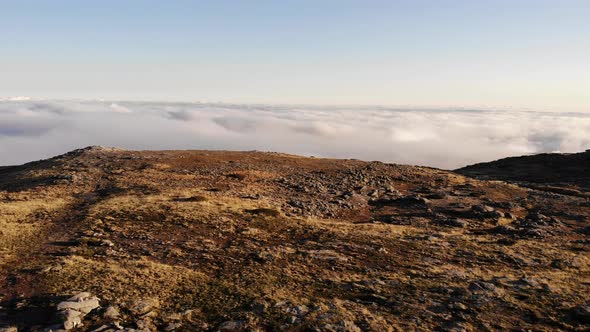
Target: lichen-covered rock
{"type": "Point", "coordinates": [111, 312]}
{"type": "Point", "coordinates": [232, 326]}
{"type": "Point", "coordinates": [82, 304]}
{"type": "Point", "coordinates": [72, 311]}
{"type": "Point", "coordinates": [9, 329]}
{"type": "Point", "coordinates": [144, 306]}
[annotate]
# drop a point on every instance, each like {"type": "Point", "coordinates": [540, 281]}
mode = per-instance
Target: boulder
{"type": "Point", "coordinates": [145, 324]}
{"type": "Point", "coordinates": [111, 312]}
{"type": "Point", "coordinates": [453, 222]}
{"type": "Point", "coordinates": [72, 311]}
{"type": "Point", "coordinates": [582, 312]}
{"type": "Point", "coordinates": [480, 208]}
{"type": "Point", "coordinates": [232, 326]}
{"type": "Point", "coordinates": [9, 329]}
{"type": "Point", "coordinates": [144, 306]}
{"type": "Point", "coordinates": [73, 322]}
{"type": "Point", "coordinates": [84, 306]}
{"type": "Point", "coordinates": [80, 297]}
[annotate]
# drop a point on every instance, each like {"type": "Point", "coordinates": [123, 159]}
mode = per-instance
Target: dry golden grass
{"type": "Point", "coordinates": [126, 281]}
{"type": "Point", "coordinates": [285, 231]}
{"type": "Point", "coordinates": [18, 223]}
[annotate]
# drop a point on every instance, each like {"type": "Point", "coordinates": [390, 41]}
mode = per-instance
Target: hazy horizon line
{"type": "Point", "coordinates": [287, 153]}
{"type": "Point", "coordinates": [380, 106]}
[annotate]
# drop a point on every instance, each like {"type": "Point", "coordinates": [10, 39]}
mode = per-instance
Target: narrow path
{"type": "Point", "coordinates": [24, 302]}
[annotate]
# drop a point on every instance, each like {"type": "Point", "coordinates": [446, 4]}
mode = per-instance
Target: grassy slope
{"type": "Point", "coordinates": [185, 229]}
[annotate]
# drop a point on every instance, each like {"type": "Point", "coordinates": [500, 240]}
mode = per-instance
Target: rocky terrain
{"type": "Point", "coordinates": [103, 239]}
{"type": "Point", "coordinates": [565, 173]}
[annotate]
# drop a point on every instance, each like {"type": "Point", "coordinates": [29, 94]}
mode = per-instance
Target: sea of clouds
{"type": "Point", "coordinates": [444, 138]}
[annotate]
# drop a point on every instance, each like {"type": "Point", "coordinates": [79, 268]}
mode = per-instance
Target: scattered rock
{"type": "Point", "coordinates": [480, 208]}
{"type": "Point", "coordinates": [172, 326]}
{"type": "Point", "coordinates": [9, 329]}
{"type": "Point", "coordinates": [73, 321]}
{"type": "Point", "coordinates": [453, 222]}
{"type": "Point", "coordinates": [342, 326]}
{"type": "Point", "coordinates": [143, 307]}
{"type": "Point", "coordinates": [190, 199]}
{"type": "Point", "coordinates": [145, 324]}
{"type": "Point", "coordinates": [298, 311]}
{"type": "Point", "coordinates": [582, 312]}
{"type": "Point", "coordinates": [111, 312]}
{"type": "Point", "coordinates": [72, 311]}
{"type": "Point", "coordinates": [503, 229]}
{"type": "Point", "coordinates": [264, 212]}
{"type": "Point", "coordinates": [232, 326]}
{"type": "Point", "coordinates": [401, 201]}
{"type": "Point", "coordinates": [355, 270]}
{"type": "Point", "coordinates": [486, 211]}
{"type": "Point", "coordinates": [83, 306]}
{"type": "Point", "coordinates": [102, 328]}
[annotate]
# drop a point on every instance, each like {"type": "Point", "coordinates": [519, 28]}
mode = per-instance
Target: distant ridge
{"type": "Point", "coordinates": [566, 170]}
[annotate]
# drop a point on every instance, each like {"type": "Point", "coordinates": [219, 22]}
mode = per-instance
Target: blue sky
{"type": "Point", "coordinates": [517, 54]}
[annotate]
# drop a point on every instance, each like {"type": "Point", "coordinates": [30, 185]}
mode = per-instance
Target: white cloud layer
{"type": "Point", "coordinates": [31, 130]}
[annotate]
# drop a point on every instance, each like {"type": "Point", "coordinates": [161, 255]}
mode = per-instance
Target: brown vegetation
{"type": "Point", "coordinates": [290, 244]}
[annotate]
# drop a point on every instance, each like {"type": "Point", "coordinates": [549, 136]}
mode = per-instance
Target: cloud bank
{"type": "Point", "coordinates": [32, 130]}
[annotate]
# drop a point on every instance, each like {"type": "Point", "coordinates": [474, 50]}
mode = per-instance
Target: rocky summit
{"type": "Point", "coordinates": [103, 239]}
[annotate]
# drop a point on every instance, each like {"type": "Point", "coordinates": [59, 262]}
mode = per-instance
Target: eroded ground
{"type": "Point", "coordinates": [262, 241]}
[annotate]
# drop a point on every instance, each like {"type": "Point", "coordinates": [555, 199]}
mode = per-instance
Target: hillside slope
{"type": "Point", "coordinates": [566, 171]}
{"type": "Point", "coordinates": [232, 241]}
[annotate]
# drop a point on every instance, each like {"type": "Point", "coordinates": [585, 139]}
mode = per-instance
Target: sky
{"type": "Point", "coordinates": [442, 83]}
{"type": "Point", "coordinates": [501, 54]}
